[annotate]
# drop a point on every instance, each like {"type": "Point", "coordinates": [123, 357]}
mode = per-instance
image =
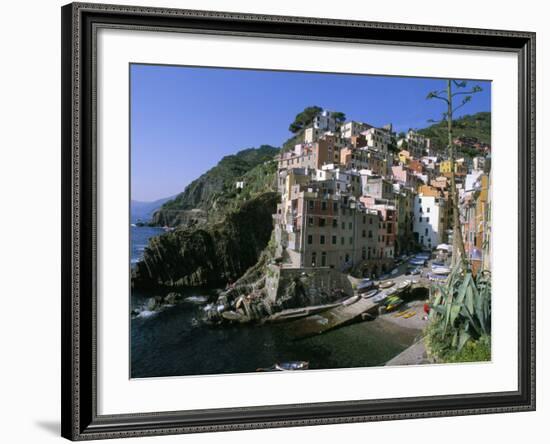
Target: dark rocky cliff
{"type": "Point", "coordinates": [211, 254]}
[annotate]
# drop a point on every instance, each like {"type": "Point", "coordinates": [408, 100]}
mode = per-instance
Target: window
{"type": "Point", "coordinates": [364, 233]}
{"type": "Point", "coordinates": [342, 240]}
{"type": "Point", "coordinates": [334, 223]}
{"type": "Point", "coordinates": [333, 240]}
{"type": "Point", "coordinates": [350, 225]}
{"type": "Point", "coordinates": [419, 219]}
{"type": "Point", "coordinates": [370, 234]}
{"type": "Point", "coordinates": [309, 239]}
{"type": "Point", "coordinates": [310, 204]}
{"type": "Point", "coordinates": [310, 221]}
{"type": "Point", "coordinates": [322, 221]}
{"type": "Point", "coordinates": [322, 239]}
{"type": "Point", "coordinates": [335, 205]}
{"type": "Point", "coordinates": [351, 240]}
{"type": "Point", "coordinates": [428, 210]}
{"type": "Point", "coordinates": [426, 232]}
{"type": "Point", "coordinates": [363, 253]}
{"type": "Point", "coordinates": [323, 259]}
{"type": "Point", "coordinates": [323, 205]}
{"type": "Point", "coordinates": [343, 225]}
{"type": "Point", "coordinates": [313, 258]}
{"type": "Point", "coordinates": [364, 219]}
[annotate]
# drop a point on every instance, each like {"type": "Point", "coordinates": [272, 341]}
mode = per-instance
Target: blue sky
{"type": "Point", "coordinates": [185, 119]}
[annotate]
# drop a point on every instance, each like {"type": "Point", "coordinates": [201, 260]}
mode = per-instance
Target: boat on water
{"type": "Point", "coordinates": [441, 270]}
{"type": "Point", "coordinates": [379, 297]}
{"type": "Point", "coordinates": [286, 366]}
{"type": "Point", "coordinates": [386, 284]}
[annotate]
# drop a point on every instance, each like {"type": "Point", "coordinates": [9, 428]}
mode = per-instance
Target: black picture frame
{"type": "Point", "coordinates": [80, 420]}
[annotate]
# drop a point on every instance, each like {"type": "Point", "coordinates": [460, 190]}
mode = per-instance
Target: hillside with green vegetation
{"type": "Point", "coordinates": [472, 125]}
{"type": "Point", "coordinates": [215, 191]}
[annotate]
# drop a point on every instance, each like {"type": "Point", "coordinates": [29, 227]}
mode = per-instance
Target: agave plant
{"type": "Point", "coordinates": [461, 308]}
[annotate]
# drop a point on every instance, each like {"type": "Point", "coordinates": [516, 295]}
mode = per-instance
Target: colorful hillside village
{"type": "Point", "coordinates": [355, 197]}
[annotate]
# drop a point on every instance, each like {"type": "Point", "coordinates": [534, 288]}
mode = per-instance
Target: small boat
{"type": "Point", "coordinates": [379, 297]}
{"type": "Point", "coordinates": [401, 313]}
{"type": "Point", "coordinates": [394, 304]}
{"type": "Point", "coordinates": [292, 365]}
{"type": "Point", "coordinates": [286, 366]}
{"type": "Point", "coordinates": [404, 285]}
{"type": "Point", "coordinates": [386, 284]}
{"type": "Point", "coordinates": [370, 294]}
{"type": "Point", "coordinates": [409, 315]}
{"type": "Point", "coordinates": [350, 301]}
{"type": "Point", "coordinates": [441, 270]}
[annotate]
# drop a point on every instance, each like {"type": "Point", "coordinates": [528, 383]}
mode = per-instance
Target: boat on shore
{"type": "Point", "coordinates": [370, 294]}
{"type": "Point", "coordinates": [386, 284]}
{"type": "Point", "coordinates": [351, 300]}
{"type": "Point", "coordinates": [404, 285]}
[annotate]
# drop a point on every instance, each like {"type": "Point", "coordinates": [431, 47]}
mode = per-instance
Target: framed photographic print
{"type": "Point", "coordinates": [279, 221]}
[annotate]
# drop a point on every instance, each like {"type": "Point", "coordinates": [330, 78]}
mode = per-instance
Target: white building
{"type": "Point", "coordinates": [312, 135]}
{"type": "Point", "coordinates": [471, 180]}
{"type": "Point", "coordinates": [324, 121]}
{"type": "Point", "coordinates": [352, 128]}
{"type": "Point", "coordinates": [377, 139]}
{"type": "Point", "coordinates": [416, 144]}
{"type": "Point", "coordinates": [429, 220]}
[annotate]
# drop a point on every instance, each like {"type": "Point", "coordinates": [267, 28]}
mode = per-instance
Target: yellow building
{"type": "Point", "coordinates": [445, 166]}
{"type": "Point", "coordinates": [404, 156]}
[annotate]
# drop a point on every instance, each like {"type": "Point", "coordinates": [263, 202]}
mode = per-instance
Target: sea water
{"type": "Point", "coordinates": [174, 342]}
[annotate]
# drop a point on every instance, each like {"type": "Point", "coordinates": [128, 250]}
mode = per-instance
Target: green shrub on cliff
{"type": "Point", "coordinates": [475, 125]}
{"type": "Point", "coordinates": [211, 189]}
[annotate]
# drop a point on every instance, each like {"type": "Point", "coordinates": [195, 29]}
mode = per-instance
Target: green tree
{"type": "Point", "coordinates": [304, 118]}
{"type": "Point", "coordinates": [339, 117]}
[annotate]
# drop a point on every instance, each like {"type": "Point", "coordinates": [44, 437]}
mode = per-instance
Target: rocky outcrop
{"type": "Point", "coordinates": [179, 217]}
{"type": "Point", "coordinates": [209, 255]}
